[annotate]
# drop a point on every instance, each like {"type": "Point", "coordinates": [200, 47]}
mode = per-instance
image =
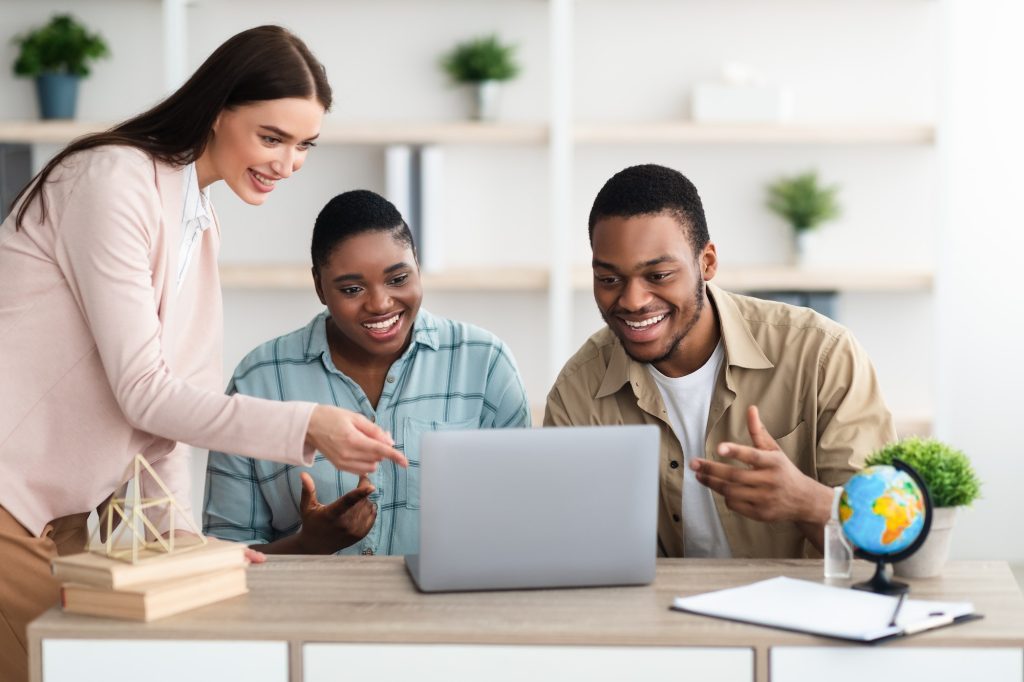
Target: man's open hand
{"type": "Point", "coordinates": [770, 487]}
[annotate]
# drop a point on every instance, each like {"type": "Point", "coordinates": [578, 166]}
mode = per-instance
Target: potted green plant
{"type": "Point", "coordinates": [951, 483]}
{"type": "Point", "coordinates": [803, 203]}
{"type": "Point", "coordinates": [57, 55]}
{"type": "Point", "coordinates": [482, 63]}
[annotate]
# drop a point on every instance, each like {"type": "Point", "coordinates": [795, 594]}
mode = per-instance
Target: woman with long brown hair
{"type": "Point", "coordinates": [111, 318]}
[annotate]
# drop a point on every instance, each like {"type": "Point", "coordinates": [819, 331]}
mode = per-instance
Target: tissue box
{"type": "Point", "coordinates": [721, 103]}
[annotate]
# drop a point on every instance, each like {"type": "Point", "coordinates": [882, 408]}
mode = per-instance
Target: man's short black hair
{"type": "Point", "coordinates": [651, 189]}
{"type": "Point", "coordinates": [352, 213]}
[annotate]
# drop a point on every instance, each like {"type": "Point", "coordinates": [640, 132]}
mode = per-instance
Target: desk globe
{"type": "Point", "coordinates": [885, 513]}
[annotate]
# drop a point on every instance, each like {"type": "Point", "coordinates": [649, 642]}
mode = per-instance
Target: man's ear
{"type": "Point", "coordinates": [708, 261]}
{"type": "Point", "coordinates": [317, 286]}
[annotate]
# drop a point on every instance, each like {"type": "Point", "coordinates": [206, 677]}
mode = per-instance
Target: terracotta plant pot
{"type": "Point", "coordinates": [929, 560]}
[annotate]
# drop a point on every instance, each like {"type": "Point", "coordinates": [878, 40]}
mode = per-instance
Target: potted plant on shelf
{"type": "Point", "coordinates": [57, 55]}
{"type": "Point", "coordinates": [482, 63]}
{"type": "Point", "coordinates": [803, 203]}
{"type": "Point", "coordinates": [951, 483]}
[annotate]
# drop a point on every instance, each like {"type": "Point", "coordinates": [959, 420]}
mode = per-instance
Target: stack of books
{"type": "Point", "coordinates": [158, 585]}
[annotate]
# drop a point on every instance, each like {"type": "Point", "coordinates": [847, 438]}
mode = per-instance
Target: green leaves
{"type": "Point", "coordinates": [62, 46]}
{"type": "Point", "coordinates": [481, 59]}
{"type": "Point", "coordinates": [946, 471]}
{"type": "Point", "coordinates": [802, 202]}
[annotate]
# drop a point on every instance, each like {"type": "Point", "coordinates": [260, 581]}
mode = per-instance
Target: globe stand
{"type": "Point", "coordinates": [881, 583]}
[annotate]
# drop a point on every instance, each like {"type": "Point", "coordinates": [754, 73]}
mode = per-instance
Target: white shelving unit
{"type": "Point", "coordinates": [561, 135]}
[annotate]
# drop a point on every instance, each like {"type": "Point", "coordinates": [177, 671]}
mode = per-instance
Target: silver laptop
{"type": "Point", "coordinates": [525, 508]}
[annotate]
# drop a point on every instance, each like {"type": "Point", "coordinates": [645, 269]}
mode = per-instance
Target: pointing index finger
{"type": "Point", "coordinates": [379, 451]}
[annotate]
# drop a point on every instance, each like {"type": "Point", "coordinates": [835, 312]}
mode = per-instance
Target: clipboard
{"type": "Point", "coordinates": [833, 612]}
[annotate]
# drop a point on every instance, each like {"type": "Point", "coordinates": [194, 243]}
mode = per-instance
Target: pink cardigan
{"type": "Point", "coordinates": [101, 358]}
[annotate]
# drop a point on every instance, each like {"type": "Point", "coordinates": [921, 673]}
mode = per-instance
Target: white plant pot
{"type": "Point", "coordinates": [929, 560]}
{"type": "Point", "coordinates": [802, 243]}
{"type": "Point", "coordinates": [486, 98]}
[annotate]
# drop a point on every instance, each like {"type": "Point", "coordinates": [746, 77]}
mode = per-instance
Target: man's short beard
{"type": "Point", "coordinates": [678, 341]}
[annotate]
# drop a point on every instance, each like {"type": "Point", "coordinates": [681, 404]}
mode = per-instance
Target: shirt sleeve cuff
{"type": "Point", "coordinates": [306, 452]}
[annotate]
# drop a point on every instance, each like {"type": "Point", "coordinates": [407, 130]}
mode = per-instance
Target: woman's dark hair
{"type": "Point", "coordinates": [262, 63]}
{"type": "Point", "coordinates": [352, 213]}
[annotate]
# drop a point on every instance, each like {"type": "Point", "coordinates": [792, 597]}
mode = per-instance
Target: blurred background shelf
{"type": "Point", "coordinates": [764, 133]}
{"type": "Point", "coordinates": [46, 132]}
{"type": "Point", "coordinates": [794, 278]}
{"type": "Point", "coordinates": [298, 277]}
{"type": "Point", "coordinates": [468, 132]}
{"type": "Point", "coordinates": [739, 278]}
{"type": "Point", "coordinates": [439, 132]}
{"type": "Point", "coordinates": [333, 132]}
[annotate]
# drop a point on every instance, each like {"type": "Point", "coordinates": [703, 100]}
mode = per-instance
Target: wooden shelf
{"type": "Point", "coordinates": [297, 277]}
{"type": "Point", "coordinates": [47, 132]}
{"type": "Point", "coordinates": [683, 132]}
{"type": "Point", "coordinates": [913, 425]}
{"type": "Point", "coordinates": [468, 132]}
{"type": "Point", "coordinates": [840, 278]}
{"type": "Point", "coordinates": [787, 278]}
{"type": "Point", "coordinates": [740, 278]}
{"type": "Point", "coordinates": [455, 132]}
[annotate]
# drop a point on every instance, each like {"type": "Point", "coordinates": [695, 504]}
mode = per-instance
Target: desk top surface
{"type": "Point", "coordinates": [372, 599]}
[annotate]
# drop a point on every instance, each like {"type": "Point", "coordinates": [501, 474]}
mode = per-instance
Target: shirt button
{"type": "Point", "coordinates": [367, 552]}
{"type": "Point", "coordinates": [675, 517]}
{"type": "Point", "coordinates": [674, 464]}
{"type": "Point", "coordinates": [391, 380]}
{"type": "Point", "coordinates": [373, 418]}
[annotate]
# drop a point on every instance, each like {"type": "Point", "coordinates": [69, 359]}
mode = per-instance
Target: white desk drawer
{"type": "Point", "coordinates": [158, 660]}
{"type": "Point", "coordinates": [499, 663]}
{"type": "Point", "coordinates": [860, 663]}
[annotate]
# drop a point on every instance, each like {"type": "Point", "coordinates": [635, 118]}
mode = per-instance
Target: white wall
{"type": "Point", "coordinates": [861, 61]}
{"type": "Point", "coordinates": [980, 291]}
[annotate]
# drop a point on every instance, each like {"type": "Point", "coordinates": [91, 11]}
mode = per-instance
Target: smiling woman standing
{"type": "Point", "coordinates": [111, 317]}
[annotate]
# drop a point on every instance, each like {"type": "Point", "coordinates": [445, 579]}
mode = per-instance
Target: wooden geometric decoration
{"type": "Point", "coordinates": [128, 518]}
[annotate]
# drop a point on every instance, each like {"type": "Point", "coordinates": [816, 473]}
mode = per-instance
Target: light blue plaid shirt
{"type": "Point", "coordinates": [452, 376]}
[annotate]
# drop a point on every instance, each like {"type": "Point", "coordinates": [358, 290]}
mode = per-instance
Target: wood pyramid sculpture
{"type": "Point", "coordinates": [127, 515]}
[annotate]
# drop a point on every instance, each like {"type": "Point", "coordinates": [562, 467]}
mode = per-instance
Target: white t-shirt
{"type": "Point", "coordinates": [688, 402]}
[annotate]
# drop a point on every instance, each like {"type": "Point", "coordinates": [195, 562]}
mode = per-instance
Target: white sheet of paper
{"type": "Point", "coordinates": [819, 609]}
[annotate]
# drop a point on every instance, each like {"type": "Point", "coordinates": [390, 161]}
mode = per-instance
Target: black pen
{"type": "Point", "coordinates": [896, 611]}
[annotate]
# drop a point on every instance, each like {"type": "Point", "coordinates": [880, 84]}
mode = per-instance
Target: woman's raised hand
{"type": "Point", "coordinates": [350, 441]}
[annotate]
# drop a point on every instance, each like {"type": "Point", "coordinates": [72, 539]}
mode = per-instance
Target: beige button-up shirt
{"type": "Point", "coordinates": [814, 386]}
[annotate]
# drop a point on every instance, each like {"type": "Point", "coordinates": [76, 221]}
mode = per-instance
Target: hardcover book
{"type": "Point", "coordinates": [89, 568]}
{"type": "Point", "coordinates": [150, 601]}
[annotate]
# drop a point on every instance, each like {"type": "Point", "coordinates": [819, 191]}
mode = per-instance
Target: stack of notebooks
{"type": "Point", "coordinates": [158, 585]}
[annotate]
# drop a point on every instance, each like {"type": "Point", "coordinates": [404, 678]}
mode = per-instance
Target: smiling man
{"type": "Point", "coordinates": [765, 405]}
{"type": "Point", "coordinates": [376, 351]}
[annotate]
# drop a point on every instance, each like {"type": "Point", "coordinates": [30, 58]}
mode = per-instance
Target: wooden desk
{"type": "Point", "coordinates": [308, 619]}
